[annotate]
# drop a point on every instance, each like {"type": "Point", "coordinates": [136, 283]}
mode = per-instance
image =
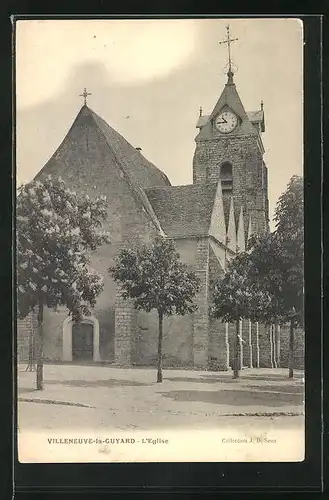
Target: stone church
{"type": "Point", "coordinates": [209, 220]}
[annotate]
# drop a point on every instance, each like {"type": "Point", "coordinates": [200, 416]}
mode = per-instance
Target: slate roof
{"type": "Point", "coordinates": [202, 120]}
{"type": "Point", "coordinates": [143, 171]}
{"type": "Point", "coordinates": [136, 169]}
{"type": "Point", "coordinates": [257, 117]}
{"type": "Point", "coordinates": [183, 211]}
{"type": "Point", "coordinates": [226, 206]}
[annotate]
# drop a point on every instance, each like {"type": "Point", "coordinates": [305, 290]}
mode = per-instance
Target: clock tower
{"type": "Point", "coordinates": [229, 150]}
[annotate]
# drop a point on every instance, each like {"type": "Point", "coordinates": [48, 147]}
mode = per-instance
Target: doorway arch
{"type": "Point", "coordinates": [67, 337]}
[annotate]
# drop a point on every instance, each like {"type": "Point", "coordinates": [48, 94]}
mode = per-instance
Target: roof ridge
{"type": "Point", "coordinates": [98, 118]}
{"type": "Point", "coordinates": [213, 185]}
{"type": "Point", "coordinates": [53, 156]}
{"type": "Point", "coordinates": [139, 192]}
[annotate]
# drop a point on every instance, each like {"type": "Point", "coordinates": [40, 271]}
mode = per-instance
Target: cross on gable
{"type": "Point", "coordinates": [85, 94]}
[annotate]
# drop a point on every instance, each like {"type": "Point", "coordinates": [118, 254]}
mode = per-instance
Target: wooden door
{"type": "Point", "coordinates": [82, 341]}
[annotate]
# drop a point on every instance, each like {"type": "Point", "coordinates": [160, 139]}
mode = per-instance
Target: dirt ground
{"type": "Point", "coordinates": [107, 401]}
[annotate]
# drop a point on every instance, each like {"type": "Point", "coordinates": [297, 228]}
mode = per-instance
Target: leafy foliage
{"type": "Point", "coordinates": [55, 230]}
{"type": "Point", "coordinates": [156, 279]}
{"type": "Point", "coordinates": [276, 260]}
{"type": "Point", "coordinates": [236, 296]}
{"type": "Point", "coordinates": [289, 236]}
{"type": "Point", "coordinates": [266, 283]}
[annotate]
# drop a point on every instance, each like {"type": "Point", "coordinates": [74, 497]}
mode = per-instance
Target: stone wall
{"type": "Point", "coordinates": [91, 173]}
{"type": "Point", "coordinates": [248, 171]}
{"type": "Point", "coordinates": [299, 347]}
{"type": "Point", "coordinates": [25, 329]}
{"type": "Point", "coordinates": [125, 328]}
{"type": "Point", "coordinates": [218, 331]}
{"type": "Point", "coordinates": [143, 330]}
{"type": "Point", "coordinates": [247, 343]}
{"type": "Point", "coordinates": [255, 345]}
{"type": "Point", "coordinates": [265, 347]}
{"type": "Point", "coordinates": [177, 346]}
{"type": "Point", "coordinates": [201, 315]}
{"type": "Point", "coordinates": [53, 334]}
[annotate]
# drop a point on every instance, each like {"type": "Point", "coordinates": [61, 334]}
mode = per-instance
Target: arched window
{"type": "Point", "coordinates": [226, 177]}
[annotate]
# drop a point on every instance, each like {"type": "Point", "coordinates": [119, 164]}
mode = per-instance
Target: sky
{"type": "Point", "coordinates": [148, 79]}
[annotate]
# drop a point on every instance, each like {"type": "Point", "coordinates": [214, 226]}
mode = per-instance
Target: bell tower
{"type": "Point", "coordinates": [229, 150]}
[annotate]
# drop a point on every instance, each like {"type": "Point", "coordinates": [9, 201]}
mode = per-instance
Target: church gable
{"type": "Point", "coordinates": [143, 172]}
{"type": "Point", "coordinates": [94, 163]}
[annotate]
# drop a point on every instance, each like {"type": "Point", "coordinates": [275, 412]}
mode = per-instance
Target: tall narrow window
{"type": "Point", "coordinates": [226, 177]}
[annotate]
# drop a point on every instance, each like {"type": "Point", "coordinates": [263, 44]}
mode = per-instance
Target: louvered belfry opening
{"type": "Point", "coordinates": [226, 177]}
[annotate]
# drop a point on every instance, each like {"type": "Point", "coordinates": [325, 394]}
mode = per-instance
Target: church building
{"type": "Point", "coordinates": [209, 221]}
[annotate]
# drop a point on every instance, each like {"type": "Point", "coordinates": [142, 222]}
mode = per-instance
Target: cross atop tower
{"type": "Point", "coordinates": [229, 40]}
{"type": "Point", "coordinates": [85, 94]}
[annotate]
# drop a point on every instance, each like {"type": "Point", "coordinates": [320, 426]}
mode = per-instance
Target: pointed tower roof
{"type": "Point", "coordinates": [227, 207]}
{"type": "Point", "coordinates": [228, 99]}
{"type": "Point", "coordinates": [231, 230]}
{"type": "Point", "coordinates": [217, 227]}
{"type": "Point", "coordinates": [240, 240]}
{"type": "Point", "coordinates": [250, 231]}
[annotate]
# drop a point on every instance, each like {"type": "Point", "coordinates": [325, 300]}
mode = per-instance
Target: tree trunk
{"type": "Point", "coordinates": [31, 362]}
{"type": "Point", "coordinates": [271, 346]}
{"type": "Point", "coordinates": [236, 353]}
{"type": "Point", "coordinates": [39, 349]}
{"type": "Point", "coordinates": [277, 344]}
{"type": "Point", "coordinates": [30, 365]}
{"type": "Point", "coordinates": [159, 374]}
{"type": "Point", "coordinates": [291, 350]}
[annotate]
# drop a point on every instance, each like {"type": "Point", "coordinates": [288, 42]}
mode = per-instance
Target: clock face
{"type": "Point", "coordinates": [226, 122]}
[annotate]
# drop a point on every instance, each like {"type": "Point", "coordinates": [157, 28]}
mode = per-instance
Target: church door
{"type": "Point", "coordinates": [82, 341]}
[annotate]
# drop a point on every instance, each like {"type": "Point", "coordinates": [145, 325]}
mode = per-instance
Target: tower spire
{"type": "Point", "coordinates": [229, 40]}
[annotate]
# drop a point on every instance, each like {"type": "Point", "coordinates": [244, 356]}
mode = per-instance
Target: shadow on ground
{"type": "Point", "coordinates": [214, 378]}
{"type": "Point", "coordinates": [289, 388]}
{"type": "Point", "coordinates": [97, 383]}
{"type": "Point", "coordinates": [236, 398]}
{"type": "Point", "coordinates": [23, 390]}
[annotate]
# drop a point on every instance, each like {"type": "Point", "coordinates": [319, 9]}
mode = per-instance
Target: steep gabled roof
{"type": "Point", "coordinates": [131, 160]}
{"type": "Point", "coordinates": [184, 211]}
{"type": "Point", "coordinates": [91, 137]}
{"type": "Point", "coordinates": [142, 171]}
